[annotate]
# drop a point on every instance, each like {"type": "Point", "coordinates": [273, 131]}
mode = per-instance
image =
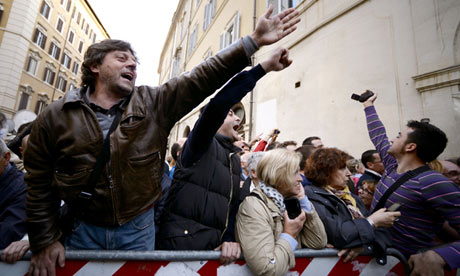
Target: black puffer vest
{"type": "Point", "coordinates": [201, 198]}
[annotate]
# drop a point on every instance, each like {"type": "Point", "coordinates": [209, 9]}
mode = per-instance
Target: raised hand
{"type": "Point", "coordinates": [278, 60]}
{"type": "Point", "coordinates": [271, 29]}
{"type": "Point", "coordinates": [370, 101]}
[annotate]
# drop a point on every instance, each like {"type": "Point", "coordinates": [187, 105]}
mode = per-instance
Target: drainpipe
{"type": "Point", "coordinates": [251, 95]}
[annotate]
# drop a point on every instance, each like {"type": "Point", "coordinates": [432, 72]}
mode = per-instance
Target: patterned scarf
{"type": "Point", "coordinates": [345, 195]}
{"type": "Point", "coordinates": [274, 195]}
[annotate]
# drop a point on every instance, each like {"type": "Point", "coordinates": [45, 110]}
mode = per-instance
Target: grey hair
{"type": "Point", "coordinates": [253, 160]}
{"type": "Point", "coordinates": [3, 148]}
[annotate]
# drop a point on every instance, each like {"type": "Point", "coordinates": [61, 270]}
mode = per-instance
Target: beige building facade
{"type": "Point", "coordinates": [408, 51]}
{"type": "Point", "coordinates": [42, 43]}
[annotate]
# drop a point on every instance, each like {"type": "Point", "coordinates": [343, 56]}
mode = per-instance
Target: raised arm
{"type": "Point", "coordinates": [181, 94]}
{"type": "Point", "coordinates": [378, 135]}
{"type": "Point", "coordinates": [215, 112]}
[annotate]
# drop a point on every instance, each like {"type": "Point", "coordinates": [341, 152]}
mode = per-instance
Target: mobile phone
{"type": "Point", "coordinates": [292, 207]}
{"type": "Point", "coordinates": [394, 207]}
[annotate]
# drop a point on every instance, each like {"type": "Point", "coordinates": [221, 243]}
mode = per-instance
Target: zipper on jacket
{"type": "Point", "coordinates": [231, 195]}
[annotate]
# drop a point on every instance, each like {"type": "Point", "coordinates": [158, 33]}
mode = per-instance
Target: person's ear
{"type": "Point", "coordinates": [410, 147]}
{"type": "Point", "coordinates": [94, 68]}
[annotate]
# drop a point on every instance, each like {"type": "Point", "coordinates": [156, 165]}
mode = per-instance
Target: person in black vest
{"type": "Point", "coordinates": [203, 200]}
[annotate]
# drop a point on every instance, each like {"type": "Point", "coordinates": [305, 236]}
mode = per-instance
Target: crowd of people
{"type": "Point", "coordinates": [96, 176]}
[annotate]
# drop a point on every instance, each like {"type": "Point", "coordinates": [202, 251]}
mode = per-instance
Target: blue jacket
{"type": "Point", "coordinates": [12, 206]}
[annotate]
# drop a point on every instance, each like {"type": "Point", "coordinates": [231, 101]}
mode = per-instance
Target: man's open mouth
{"type": "Point", "coordinates": [128, 76]}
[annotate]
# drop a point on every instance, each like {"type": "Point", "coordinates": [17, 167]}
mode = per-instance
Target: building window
{"type": "Point", "coordinates": [78, 18]}
{"type": "Point", "coordinates": [94, 38]}
{"type": "Point", "coordinates": [176, 64]}
{"type": "Point", "coordinates": [45, 10]}
{"type": "Point", "coordinates": [87, 28]}
{"type": "Point", "coordinates": [82, 24]}
{"type": "Point", "coordinates": [59, 24]}
{"type": "Point", "coordinates": [209, 11]}
{"type": "Point", "coordinates": [32, 64]}
{"type": "Point", "coordinates": [71, 36]}
{"type": "Point", "coordinates": [72, 86]}
{"type": "Point", "coordinates": [1, 12]}
{"type": "Point", "coordinates": [54, 50]}
{"type": "Point", "coordinates": [39, 38]}
{"type": "Point", "coordinates": [80, 46]}
{"type": "Point", "coordinates": [75, 67]}
{"type": "Point", "coordinates": [66, 60]}
{"type": "Point", "coordinates": [281, 5]}
{"type": "Point", "coordinates": [61, 83]}
{"type": "Point", "coordinates": [69, 4]}
{"type": "Point", "coordinates": [23, 101]}
{"type": "Point", "coordinates": [192, 40]}
{"type": "Point", "coordinates": [73, 12]}
{"type": "Point", "coordinates": [197, 3]}
{"type": "Point", "coordinates": [231, 33]}
{"type": "Point", "coordinates": [48, 76]}
{"type": "Point", "coordinates": [40, 105]}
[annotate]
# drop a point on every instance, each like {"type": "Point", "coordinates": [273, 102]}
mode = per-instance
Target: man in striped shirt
{"type": "Point", "coordinates": [427, 200]}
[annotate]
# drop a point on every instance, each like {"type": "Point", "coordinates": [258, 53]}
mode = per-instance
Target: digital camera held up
{"type": "Point", "coordinates": [363, 97]}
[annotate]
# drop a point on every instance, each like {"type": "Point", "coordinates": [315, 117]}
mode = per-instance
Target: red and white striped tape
{"type": "Point", "coordinates": [304, 266]}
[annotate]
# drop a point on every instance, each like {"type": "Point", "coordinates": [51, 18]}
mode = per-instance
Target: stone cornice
{"type": "Point", "coordinates": [437, 79]}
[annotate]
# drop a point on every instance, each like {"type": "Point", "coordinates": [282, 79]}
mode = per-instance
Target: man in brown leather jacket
{"type": "Point", "coordinates": [67, 138]}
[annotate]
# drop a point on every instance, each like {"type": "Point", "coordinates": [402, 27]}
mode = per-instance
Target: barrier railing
{"type": "Point", "coordinates": [308, 262]}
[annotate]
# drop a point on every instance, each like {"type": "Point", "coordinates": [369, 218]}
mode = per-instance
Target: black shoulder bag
{"type": "Point", "coordinates": [66, 213]}
{"type": "Point", "coordinates": [408, 175]}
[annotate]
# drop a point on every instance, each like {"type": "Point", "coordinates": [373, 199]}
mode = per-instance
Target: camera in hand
{"type": "Point", "coordinates": [363, 97]}
{"type": "Point", "coordinates": [292, 207]}
{"type": "Point", "coordinates": [277, 131]}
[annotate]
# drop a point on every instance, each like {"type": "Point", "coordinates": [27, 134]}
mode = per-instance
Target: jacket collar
{"type": "Point", "coordinates": [226, 142]}
{"type": "Point", "coordinates": [80, 95]}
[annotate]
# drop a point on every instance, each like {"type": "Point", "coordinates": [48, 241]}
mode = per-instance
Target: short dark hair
{"type": "Point", "coordinates": [308, 140]}
{"type": "Point", "coordinates": [289, 143]}
{"type": "Point", "coordinates": [175, 149]}
{"type": "Point", "coordinates": [322, 165]}
{"type": "Point", "coordinates": [95, 54]}
{"type": "Point", "coordinates": [305, 151]}
{"type": "Point", "coordinates": [368, 156]}
{"type": "Point", "coordinates": [273, 145]}
{"type": "Point", "coordinates": [430, 140]}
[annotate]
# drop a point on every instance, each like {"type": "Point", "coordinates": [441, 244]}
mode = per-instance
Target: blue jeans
{"type": "Point", "coordinates": [137, 234]}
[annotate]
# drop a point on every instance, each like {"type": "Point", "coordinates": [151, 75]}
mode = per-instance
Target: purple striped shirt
{"type": "Point", "coordinates": [427, 200]}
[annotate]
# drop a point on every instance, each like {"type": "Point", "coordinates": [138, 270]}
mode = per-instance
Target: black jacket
{"type": "Point", "coordinates": [342, 230]}
{"type": "Point", "coordinates": [203, 200]}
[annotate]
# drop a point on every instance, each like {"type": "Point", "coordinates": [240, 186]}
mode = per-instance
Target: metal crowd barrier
{"type": "Point", "coordinates": [308, 262]}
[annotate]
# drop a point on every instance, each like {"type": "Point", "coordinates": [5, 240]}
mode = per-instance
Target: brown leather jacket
{"type": "Point", "coordinates": [66, 140]}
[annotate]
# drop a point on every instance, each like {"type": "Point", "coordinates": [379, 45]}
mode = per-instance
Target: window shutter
{"type": "Point", "coordinates": [213, 9]}
{"type": "Point", "coordinates": [236, 28]}
{"type": "Point", "coordinates": [43, 42]}
{"type": "Point", "coordinates": [58, 53]}
{"type": "Point", "coordinates": [50, 51]}
{"type": "Point", "coordinates": [53, 74]}
{"type": "Point", "coordinates": [35, 36]}
{"type": "Point", "coordinates": [222, 41]}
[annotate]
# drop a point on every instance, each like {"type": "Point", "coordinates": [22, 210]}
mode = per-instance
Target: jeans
{"type": "Point", "coordinates": [137, 234]}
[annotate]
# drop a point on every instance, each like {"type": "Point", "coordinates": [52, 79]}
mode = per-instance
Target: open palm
{"type": "Point", "coordinates": [271, 29]}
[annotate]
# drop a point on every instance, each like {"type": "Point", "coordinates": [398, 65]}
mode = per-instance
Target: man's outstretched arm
{"type": "Point", "coordinates": [378, 134]}
{"type": "Point", "coordinates": [215, 112]}
{"type": "Point", "coordinates": [180, 95]}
